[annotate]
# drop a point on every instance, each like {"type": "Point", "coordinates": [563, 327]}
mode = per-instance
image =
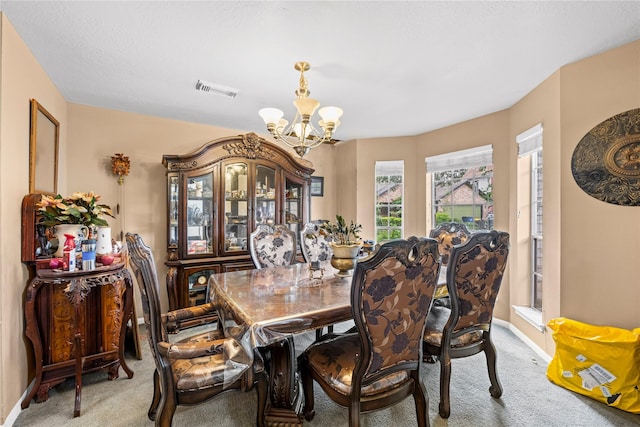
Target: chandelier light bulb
{"type": "Point", "coordinates": [271, 115]}
{"type": "Point", "coordinates": [330, 114]}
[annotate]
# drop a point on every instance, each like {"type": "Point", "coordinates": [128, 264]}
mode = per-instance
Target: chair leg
{"type": "Point", "coordinates": [354, 413]}
{"type": "Point", "coordinates": [167, 409]}
{"type": "Point", "coordinates": [421, 400]}
{"type": "Point", "coordinates": [262, 391]}
{"type": "Point", "coordinates": [445, 378]}
{"type": "Point", "coordinates": [168, 403]}
{"type": "Point", "coordinates": [490, 353]}
{"type": "Point", "coordinates": [307, 387]}
{"type": "Point", "coordinates": [318, 333]}
{"type": "Point", "coordinates": [153, 409]}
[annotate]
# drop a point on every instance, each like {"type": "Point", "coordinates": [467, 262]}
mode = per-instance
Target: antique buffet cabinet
{"type": "Point", "coordinates": [216, 196]}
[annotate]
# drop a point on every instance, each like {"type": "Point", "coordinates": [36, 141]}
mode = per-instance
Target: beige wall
{"type": "Point", "coordinates": [600, 242]}
{"type": "Point", "coordinates": [569, 103]}
{"type": "Point", "coordinates": [542, 105]}
{"type": "Point", "coordinates": [21, 78]}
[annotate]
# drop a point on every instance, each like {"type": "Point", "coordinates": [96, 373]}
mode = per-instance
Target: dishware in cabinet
{"type": "Point", "coordinates": [236, 207]}
{"type": "Point", "coordinates": [199, 214]}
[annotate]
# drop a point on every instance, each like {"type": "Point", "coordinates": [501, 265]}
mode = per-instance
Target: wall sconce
{"type": "Point", "coordinates": [120, 165]}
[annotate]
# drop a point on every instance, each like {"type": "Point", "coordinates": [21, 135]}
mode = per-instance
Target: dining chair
{"type": "Point", "coordinates": [380, 364]}
{"type": "Point", "coordinates": [316, 248]}
{"type": "Point", "coordinates": [449, 234]}
{"type": "Point", "coordinates": [195, 369]}
{"type": "Point", "coordinates": [474, 273]}
{"type": "Point", "coordinates": [272, 246]}
{"type": "Point", "coordinates": [314, 245]}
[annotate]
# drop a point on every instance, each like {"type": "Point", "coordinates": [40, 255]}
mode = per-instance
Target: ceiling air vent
{"type": "Point", "coordinates": [216, 89]}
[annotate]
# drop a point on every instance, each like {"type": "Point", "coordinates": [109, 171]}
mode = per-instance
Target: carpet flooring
{"type": "Point", "coordinates": [529, 399]}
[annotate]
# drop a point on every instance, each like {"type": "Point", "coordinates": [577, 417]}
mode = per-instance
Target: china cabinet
{"type": "Point", "coordinates": [216, 196]}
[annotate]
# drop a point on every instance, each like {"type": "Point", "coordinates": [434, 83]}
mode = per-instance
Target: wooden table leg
{"type": "Point", "coordinates": [285, 406]}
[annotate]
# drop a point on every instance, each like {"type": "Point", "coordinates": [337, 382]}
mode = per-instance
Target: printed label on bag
{"type": "Point", "coordinates": [594, 376]}
{"type": "Point", "coordinates": [567, 374]}
{"type": "Point", "coordinates": [605, 391]}
{"type": "Point", "coordinates": [581, 358]}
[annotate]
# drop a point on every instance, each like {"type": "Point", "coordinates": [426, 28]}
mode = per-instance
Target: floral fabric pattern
{"type": "Point", "coordinates": [315, 247]}
{"type": "Point", "coordinates": [394, 305]}
{"type": "Point", "coordinates": [479, 267]}
{"type": "Point", "coordinates": [273, 248]}
{"type": "Point", "coordinates": [391, 295]}
{"type": "Point", "coordinates": [478, 276]}
{"type": "Point", "coordinates": [334, 361]}
{"type": "Point", "coordinates": [448, 235]}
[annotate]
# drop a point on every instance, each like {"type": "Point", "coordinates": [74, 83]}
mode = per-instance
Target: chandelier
{"type": "Point", "coordinates": [301, 135]}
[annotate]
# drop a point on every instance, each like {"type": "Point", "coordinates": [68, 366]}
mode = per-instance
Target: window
{"type": "Point", "coordinates": [389, 200]}
{"type": "Point", "coordinates": [530, 144]}
{"type": "Point", "coordinates": [462, 188]}
{"type": "Point", "coordinates": [536, 229]}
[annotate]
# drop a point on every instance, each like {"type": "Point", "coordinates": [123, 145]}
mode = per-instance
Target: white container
{"type": "Point", "coordinates": [103, 244]}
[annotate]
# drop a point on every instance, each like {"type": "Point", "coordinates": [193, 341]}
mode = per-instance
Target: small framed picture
{"type": "Point", "coordinates": [317, 186]}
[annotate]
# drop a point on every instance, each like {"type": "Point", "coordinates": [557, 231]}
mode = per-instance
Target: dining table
{"type": "Point", "coordinates": [264, 308]}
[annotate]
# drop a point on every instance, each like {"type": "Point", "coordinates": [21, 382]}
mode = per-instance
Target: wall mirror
{"type": "Point", "coordinates": [44, 134]}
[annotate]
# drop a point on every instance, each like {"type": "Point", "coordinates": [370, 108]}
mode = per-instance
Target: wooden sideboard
{"type": "Point", "coordinates": [76, 322]}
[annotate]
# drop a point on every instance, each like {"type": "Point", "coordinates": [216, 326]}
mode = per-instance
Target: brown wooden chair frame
{"type": "Point", "coordinates": [166, 396]}
{"type": "Point", "coordinates": [458, 324]}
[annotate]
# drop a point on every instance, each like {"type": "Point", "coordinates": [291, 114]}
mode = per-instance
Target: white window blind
{"type": "Point", "coordinates": [463, 159]}
{"type": "Point", "coordinates": [530, 140]}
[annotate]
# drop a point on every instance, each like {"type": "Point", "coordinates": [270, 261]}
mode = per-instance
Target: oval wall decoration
{"type": "Point", "coordinates": [606, 161]}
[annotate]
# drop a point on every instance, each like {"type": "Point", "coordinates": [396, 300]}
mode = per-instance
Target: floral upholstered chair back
{"type": "Point", "coordinates": [272, 247]}
{"type": "Point", "coordinates": [315, 246]}
{"type": "Point", "coordinates": [476, 270]}
{"type": "Point", "coordinates": [474, 276]}
{"type": "Point", "coordinates": [448, 235]}
{"type": "Point", "coordinates": [391, 296]}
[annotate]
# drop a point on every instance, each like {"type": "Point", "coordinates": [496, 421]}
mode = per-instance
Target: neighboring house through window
{"type": "Point", "coordinates": [460, 184]}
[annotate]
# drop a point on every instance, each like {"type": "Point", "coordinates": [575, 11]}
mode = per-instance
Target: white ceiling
{"type": "Point", "coordinates": [396, 68]}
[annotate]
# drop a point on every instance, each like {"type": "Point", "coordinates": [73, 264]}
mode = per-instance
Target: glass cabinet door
{"type": "Point", "coordinates": [293, 205]}
{"type": "Point", "coordinates": [199, 224]}
{"type": "Point", "coordinates": [198, 285]}
{"type": "Point", "coordinates": [265, 196]}
{"type": "Point", "coordinates": [235, 207]}
{"type": "Point", "coordinates": [173, 209]}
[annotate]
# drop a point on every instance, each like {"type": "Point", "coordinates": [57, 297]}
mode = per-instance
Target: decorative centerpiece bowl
{"type": "Point", "coordinates": [346, 244]}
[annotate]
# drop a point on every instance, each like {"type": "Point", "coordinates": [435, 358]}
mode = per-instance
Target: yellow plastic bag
{"type": "Point", "coordinates": [601, 362]}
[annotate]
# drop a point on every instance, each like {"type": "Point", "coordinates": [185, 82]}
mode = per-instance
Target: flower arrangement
{"type": "Point", "coordinates": [340, 232]}
{"type": "Point", "coordinates": [79, 208]}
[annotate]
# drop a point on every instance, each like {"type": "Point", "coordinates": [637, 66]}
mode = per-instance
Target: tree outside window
{"type": "Point", "coordinates": [389, 200]}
